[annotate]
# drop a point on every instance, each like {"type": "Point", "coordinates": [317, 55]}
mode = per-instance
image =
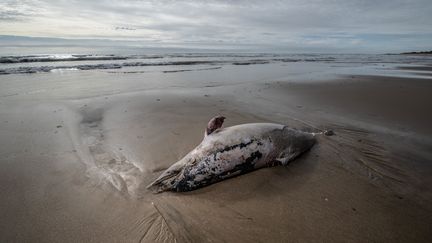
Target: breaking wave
{"type": "Point", "coordinates": [30, 63]}
{"type": "Point", "coordinates": [41, 69]}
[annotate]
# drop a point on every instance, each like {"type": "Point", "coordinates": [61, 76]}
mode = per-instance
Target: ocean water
{"type": "Point", "coordinates": [34, 60]}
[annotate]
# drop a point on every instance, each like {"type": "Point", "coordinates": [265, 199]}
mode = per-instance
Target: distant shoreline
{"type": "Point", "coordinates": [417, 53]}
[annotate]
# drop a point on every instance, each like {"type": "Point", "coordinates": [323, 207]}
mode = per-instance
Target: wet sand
{"type": "Point", "coordinates": [74, 167]}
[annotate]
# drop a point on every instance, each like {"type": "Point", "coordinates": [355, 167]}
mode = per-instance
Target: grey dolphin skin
{"type": "Point", "coordinates": [231, 151]}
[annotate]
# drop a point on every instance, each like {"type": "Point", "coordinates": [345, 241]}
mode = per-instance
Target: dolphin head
{"type": "Point", "coordinates": [167, 180]}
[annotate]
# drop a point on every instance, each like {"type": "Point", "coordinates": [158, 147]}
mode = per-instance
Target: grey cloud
{"type": "Point", "coordinates": [11, 15]}
{"type": "Point", "coordinates": [331, 23]}
{"type": "Point", "coordinates": [17, 10]}
{"type": "Point", "coordinates": [123, 28]}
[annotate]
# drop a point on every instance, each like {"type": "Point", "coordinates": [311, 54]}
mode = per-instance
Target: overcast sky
{"type": "Point", "coordinates": [293, 25]}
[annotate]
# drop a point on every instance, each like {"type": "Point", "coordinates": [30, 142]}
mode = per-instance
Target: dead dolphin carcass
{"type": "Point", "coordinates": [231, 151]}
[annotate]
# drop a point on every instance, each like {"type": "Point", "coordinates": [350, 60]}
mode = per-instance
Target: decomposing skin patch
{"type": "Point", "coordinates": [228, 152]}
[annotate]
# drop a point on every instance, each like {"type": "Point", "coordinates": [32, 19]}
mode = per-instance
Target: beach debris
{"type": "Point", "coordinates": [329, 133]}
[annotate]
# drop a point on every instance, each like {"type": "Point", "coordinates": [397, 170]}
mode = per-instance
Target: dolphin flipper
{"type": "Point", "coordinates": [288, 158]}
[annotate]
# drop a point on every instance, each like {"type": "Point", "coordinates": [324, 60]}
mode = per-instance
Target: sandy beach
{"type": "Point", "coordinates": [78, 150]}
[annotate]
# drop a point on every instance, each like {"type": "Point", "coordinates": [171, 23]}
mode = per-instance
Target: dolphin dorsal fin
{"type": "Point", "coordinates": [214, 123]}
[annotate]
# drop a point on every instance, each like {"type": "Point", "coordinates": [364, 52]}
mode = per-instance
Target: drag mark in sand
{"type": "Point", "coordinates": [372, 160]}
{"type": "Point", "coordinates": [163, 223]}
{"type": "Point", "coordinates": [150, 227]}
{"type": "Point", "coordinates": [104, 162]}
